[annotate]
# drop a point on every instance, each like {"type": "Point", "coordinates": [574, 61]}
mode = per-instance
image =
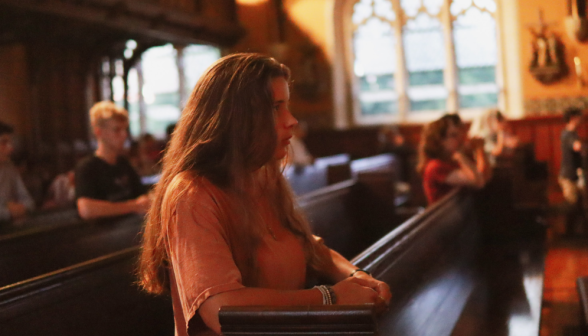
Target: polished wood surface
{"type": "Point", "coordinates": [291, 321]}
{"type": "Point", "coordinates": [97, 297]}
{"type": "Point", "coordinates": [45, 249]}
{"type": "Point", "coordinates": [304, 179]}
{"type": "Point", "coordinates": [582, 286]}
{"type": "Point", "coordinates": [567, 259]}
{"type": "Point", "coordinates": [180, 21]}
{"type": "Point", "coordinates": [456, 269]}
{"type": "Point", "coordinates": [109, 278]}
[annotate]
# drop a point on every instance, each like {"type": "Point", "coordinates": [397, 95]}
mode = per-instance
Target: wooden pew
{"type": "Point", "coordinates": [582, 286]}
{"type": "Point", "coordinates": [325, 171]}
{"type": "Point", "coordinates": [42, 220]}
{"type": "Point", "coordinates": [335, 211]}
{"type": "Point", "coordinates": [97, 297]}
{"type": "Point", "coordinates": [446, 277]}
{"type": "Point", "coordinates": [352, 215]}
{"type": "Point", "coordinates": [31, 253]}
{"type": "Point", "coordinates": [428, 262]}
{"type": "Point", "coordinates": [100, 294]}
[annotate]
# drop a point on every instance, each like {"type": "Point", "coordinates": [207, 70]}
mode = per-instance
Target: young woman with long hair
{"type": "Point", "coordinates": [224, 228]}
{"type": "Point", "coordinates": [442, 162]}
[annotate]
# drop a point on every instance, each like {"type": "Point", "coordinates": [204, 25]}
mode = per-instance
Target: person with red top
{"type": "Point", "coordinates": [442, 162]}
{"type": "Point", "coordinates": [224, 229]}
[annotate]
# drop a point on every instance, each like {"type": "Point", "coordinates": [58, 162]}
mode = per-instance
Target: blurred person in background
{"type": "Point", "coordinates": [15, 200]}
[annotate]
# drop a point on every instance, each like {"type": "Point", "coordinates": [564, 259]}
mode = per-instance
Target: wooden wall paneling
{"type": "Point", "coordinates": [77, 96]}
{"type": "Point", "coordinates": [583, 131]}
{"type": "Point", "coordinates": [412, 134]}
{"type": "Point", "coordinates": [524, 132]}
{"type": "Point", "coordinates": [556, 130]}
{"type": "Point", "coordinates": [543, 145]}
{"type": "Point", "coordinates": [70, 94]}
{"type": "Point", "coordinates": [34, 78]}
{"type": "Point", "coordinates": [60, 113]}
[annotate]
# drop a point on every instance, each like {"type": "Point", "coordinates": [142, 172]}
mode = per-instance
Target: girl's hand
{"type": "Point", "coordinates": [362, 289]}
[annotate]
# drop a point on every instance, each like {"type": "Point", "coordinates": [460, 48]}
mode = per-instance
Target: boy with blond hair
{"type": "Point", "coordinates": [106, 183]}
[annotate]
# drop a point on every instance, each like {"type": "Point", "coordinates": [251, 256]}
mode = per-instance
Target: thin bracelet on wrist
{"type": "Point", "coordinates": [328, 294]}
{"type": "Point", "coordinates": [360, 270]}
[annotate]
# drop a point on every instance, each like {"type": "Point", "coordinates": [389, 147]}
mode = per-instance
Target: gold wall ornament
{"type": "Point", "coordinates": [547, 60]}
{"type": "Point", "coordinates": [579, 72]}
{"type": "Point", "coordinates": [576, 22]}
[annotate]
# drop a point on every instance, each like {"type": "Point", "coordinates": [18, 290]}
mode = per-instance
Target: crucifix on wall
{"type": "Point", "coordinates": [547, 59]}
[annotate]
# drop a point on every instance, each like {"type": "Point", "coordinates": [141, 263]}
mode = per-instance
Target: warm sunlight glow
{"type": "Point", "coordinates": [250, 2]}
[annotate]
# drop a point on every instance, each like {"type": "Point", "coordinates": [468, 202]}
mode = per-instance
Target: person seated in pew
{"type": "Point", "coordinates": [443, 163]}
{"type": "Point", "coordinates": [62, 191]}
{"type": "Point", "coordinates": [224, 229]}
{"type": "Point", "coordinates": [493, 128]}
{"type": "Point", "coordinates": [571, 175]}
{"type": "Point", "coordinates": [106, 184]}
{"type": "Point", "coordinates": [393, 142]}
{"type": "Point", "coordinates": [145, 159]}
{"type": "Point", "coordinates": [15, 200]}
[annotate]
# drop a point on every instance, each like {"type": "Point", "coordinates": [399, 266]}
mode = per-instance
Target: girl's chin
{"type": "Point", "coordinates": [280, 154]}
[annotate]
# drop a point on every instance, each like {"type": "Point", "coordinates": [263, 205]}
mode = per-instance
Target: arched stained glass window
{"type": "Point", "coordinates": [476, 53]}
{"type": "Point", "coordinates": [413, 57]}
{"type": "Point", "coordinates": [424, 50]}
{"type": "Point", "coordinates": [374, 65]}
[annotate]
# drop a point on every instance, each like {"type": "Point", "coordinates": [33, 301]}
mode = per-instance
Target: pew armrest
{"type": "Point", "coordinates": [582, 284]}
{"type": "Point", "coordinates": [303, 320]}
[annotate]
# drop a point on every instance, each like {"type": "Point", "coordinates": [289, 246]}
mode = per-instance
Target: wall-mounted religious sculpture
{"type": "Point", "coordinates": [547, 60]}
{"type": "Point", "coordinates": [576, 21]}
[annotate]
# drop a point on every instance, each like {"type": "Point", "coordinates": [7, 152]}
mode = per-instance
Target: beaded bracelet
{"type": "Point", "coordinates": [328, 293]}
{"type": "Point", "coordinates": [360, 270]}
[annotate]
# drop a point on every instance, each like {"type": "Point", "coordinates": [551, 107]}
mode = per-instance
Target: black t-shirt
{"type": "Point", "coordinates": [97, 179]}
{"type": "Point", "coordinates": [570, 159]}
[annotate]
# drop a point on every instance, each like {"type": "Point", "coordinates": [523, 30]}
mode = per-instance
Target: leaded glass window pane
{"type": "Point", "coordinates": [161, 88]}
{"type": "Point", "coordinates": [383, 9]}
{"type": "Point", "coordinates": [457, 6]}
{"type": "Point", "coordinates": [374, 66]}
{"type": "Point", "coordinates": [425, 60]}
{"type": "Point", "coordinates": [486, 4]}
{"type": "Point", "coordinates": [133, 98]}
{"type": "Point", "coordinates": [362, 10]}
{"type": "Point", "coordinates": [476, 56]}
{"type": "Point", "coordinates": [197, 58]}
{"type": "Point", "coordinates": [411, 7]}
{"type": "Point", "coordinates": [433, 6]}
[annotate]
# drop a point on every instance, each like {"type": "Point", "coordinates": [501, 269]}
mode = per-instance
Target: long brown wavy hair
{"type": "Point", "coordinates": [431, 145]}
{"type": "Point", "coordinates": [226, 135]}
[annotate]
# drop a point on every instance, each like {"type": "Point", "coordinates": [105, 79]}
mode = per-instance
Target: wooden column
{"type": "Point", "coordinates": [181, 76]}
{"type": "Point", "coordinates": [142, 105]}
{"type": "Point", "coordinates": [401, 75]}
{"type": "Point", "coordinates": [451, 71]}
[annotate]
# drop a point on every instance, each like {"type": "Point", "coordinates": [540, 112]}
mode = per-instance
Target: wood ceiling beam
{"type": "Point", "coordinates": [140, 19]}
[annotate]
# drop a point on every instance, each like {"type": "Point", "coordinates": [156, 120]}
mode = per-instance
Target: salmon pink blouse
{"type": "Point", "coordinates": [202, 264]}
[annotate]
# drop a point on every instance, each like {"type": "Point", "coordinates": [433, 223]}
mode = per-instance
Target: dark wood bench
{"type": "Point", "coordinates": [325, 171]}
{"type": "Point", "coordinates": [582, 286]}
{"type": "Point", "coordinates": [336, 213]}
{"type": "Point", "coordinates": [42, 220]}
{"type": "Point", "coordinates": [447, 278]}
{"type": "Point", "coordinates": [47, 248]}
{"type": "Point", "coordinates": [352, 215]}
{"type": "Point", "coordinates": [97, 297]}
{"type": "Point", "coordinates": [100, 294]}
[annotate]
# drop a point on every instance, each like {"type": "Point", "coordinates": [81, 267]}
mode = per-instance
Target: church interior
{"type": "Point", "coordinates": [368, 79]}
